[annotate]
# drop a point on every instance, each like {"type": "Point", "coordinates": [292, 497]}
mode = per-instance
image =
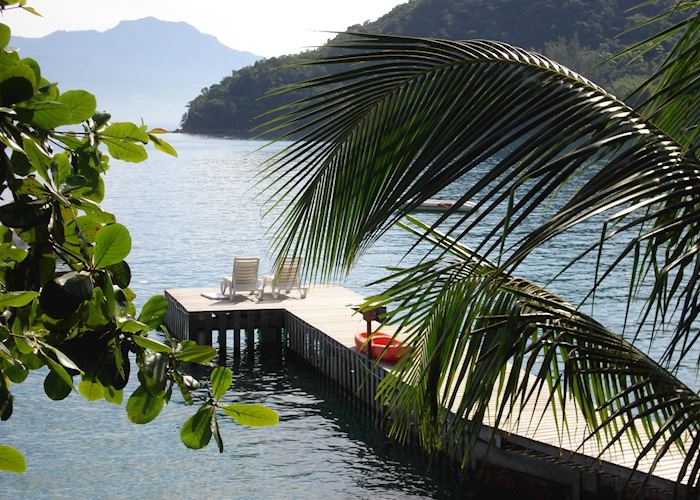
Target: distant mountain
{"type": "Point", "coordinates": [146, 68]}
{"type": "Point", "coordinates": [577, 33]}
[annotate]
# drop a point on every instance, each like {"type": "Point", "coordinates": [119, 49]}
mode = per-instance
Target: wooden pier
{"type": "Point", "coordinates": [321, 329]}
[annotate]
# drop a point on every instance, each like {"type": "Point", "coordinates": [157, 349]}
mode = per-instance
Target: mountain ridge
{"type": "Point", "coordinates": [144, 68]}
{"type": "Point", "coordinates": [575, 33]}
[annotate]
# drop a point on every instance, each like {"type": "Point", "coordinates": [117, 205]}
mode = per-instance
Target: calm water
{"type": "Point", "coordinates": [188, 217]}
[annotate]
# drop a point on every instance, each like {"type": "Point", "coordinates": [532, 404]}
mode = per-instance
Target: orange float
{"type": "Point", "coordinates": [383, 345]}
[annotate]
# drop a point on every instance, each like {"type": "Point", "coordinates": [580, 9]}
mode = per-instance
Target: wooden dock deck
{"type": "Point", "coordinates": [321, 329]}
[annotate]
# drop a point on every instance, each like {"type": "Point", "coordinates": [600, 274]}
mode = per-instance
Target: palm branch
{"type": "Point", "coordinates": [673, 101]}
{"type": "Point", "coordinates": [497, 350]}
{"type": "Point", "coordinates": [413, 115]}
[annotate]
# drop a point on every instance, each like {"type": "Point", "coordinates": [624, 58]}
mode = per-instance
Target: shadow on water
{"type": "Point", "coordinates": [340, 439]}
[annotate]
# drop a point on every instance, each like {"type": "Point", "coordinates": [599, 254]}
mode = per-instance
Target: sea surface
{"type": "Point", "coordinates": [188, 217]}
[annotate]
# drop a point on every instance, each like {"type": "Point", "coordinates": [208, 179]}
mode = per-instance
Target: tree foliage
{"type": "Point", "coordinates": [578, 34]}
{"type": "Point", "coordinates": [64, 282]}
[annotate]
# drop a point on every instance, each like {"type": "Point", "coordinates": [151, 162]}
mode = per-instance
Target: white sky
{"type": "Point", "coordinates": [264, 27]}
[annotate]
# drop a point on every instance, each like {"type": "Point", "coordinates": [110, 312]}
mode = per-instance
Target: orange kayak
{"type": "Point", "coordinates": [382, 345]}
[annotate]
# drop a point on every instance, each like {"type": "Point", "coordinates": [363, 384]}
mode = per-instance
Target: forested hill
{"type": "Point", "coordinates": [577, 33]}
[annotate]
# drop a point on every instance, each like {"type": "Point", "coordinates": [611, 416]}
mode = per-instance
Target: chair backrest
{"type": "Point", "coordinates": [288, 272]}
{"type": "Point", "coordinates": [245, 270]}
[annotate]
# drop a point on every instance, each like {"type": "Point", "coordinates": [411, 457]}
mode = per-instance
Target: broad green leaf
{"type": "Point", "coordinates": [5, 35]}
{"type": "Point", "coordinates": [37, 157]}
{"type": "Point", "coordinates": [221, 378]}
{"type": "Point", "coordinates": [154, 311]}
{"type": "Point", "coordinates": [62, 296]}
{"type": "Point", "coordinates": [150, 344]}
{"type": "Point", "coordinates": [194, 353]}
{"type": "Point", "coordinates": [125, 130]}
{"type": "Point", "coordinates": [91, 390]}
{"type": "Point", "coordinates": [133, 326]}
{"type": "Point", "coordinates": [22, 215]}
{"type": "Point", "coordinates": [48, 114]}
{"type": "Point", "coordinates": [35, 67]}
{"type": "Point", "coordinates": [17, 299]}
{"type": "Point", "coordinates": [31, 10]}
{"type": "Point", "coordinates": [123, 140]}
{"type": "Point", "coordinates": [29, 186]}
{"type": "Point", "coordinates": [72, 182]}
{"type": "Point", "coordinates": [55, 387]}
{"type": "Point", "coordinates": [80, 103]}
{"type": "Point", "coordinates": [16, 373]}
{"type": "Point", "coordinates": [12, 459]}
{"type": "Point", "coordinates": [121, 273]}
{"type": "Point", "coordinates": [114, 396]}
{"type": "Point", "coordinates": [17, 83]}
{"type": "Point", "coordinates": [162, 145]}
{"type": "Point", "coordinates": [251, 415]}
{"type": "Point", "coordinates": [112, 245]}
{"type": "Point", "coordinates": [59, 371]}
{"type": "Point", "coordinates": [143, 407]}
{"type": "Point", "coordinates": [157, 130]}
{"type": "Point", "coordinates": [196, 431]}
{"type": "Point", "coordinates": [79, 284]}
{"type": "Point", "coordinates": [125, 150]}
{"type": "Point", "coordinates": [20, 163]}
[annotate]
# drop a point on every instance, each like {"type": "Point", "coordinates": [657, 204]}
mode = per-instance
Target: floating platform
{"type": "Point", "coordinates": [321, 329]}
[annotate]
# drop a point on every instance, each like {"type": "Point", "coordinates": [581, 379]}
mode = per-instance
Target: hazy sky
{"type": "Point", "coordinates": [264, 27]}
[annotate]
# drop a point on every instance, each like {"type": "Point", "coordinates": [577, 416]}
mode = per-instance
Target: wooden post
{"type": "Point", "coordinates": [221, 326]}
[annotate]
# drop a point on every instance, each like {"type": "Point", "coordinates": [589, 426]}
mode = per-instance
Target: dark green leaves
{"type": "Point", "coordinates": [55, 387]}
{"type": "Point", "coordinates": [143, 407]}
{"type": "Point", "coordinates": [154, 311]}
{"type": "Point", "coordinates": [112, 245]}
{"type": "Point", "coordinates": [151, 344]}
{"type": "Point", "coordinates": [193, 353]}
{"type": "Point", "coordinates": [17, 83]}
{"type": "Point", "coordinates": [17, 299]}
{"type": "Point", "coordinates": [196, 431]}
{"type": "Point", "coordinates": [61, 296]}
{"type": "Point", "coordinates": [11, 460]}
{"type": "Point", "coordinates": [48, 114]}
{"type": "Point", "coordinates": [59, 246]}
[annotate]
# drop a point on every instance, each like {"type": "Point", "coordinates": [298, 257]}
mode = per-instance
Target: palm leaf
{"type": "Point", "coordinates": [414, 115]}
{"type": "Point", "coordinates": [485, 331]}
{"type": "Point", "coordinates": [411, 116]}
{"type": "Point", "coordinates": [674, 89]}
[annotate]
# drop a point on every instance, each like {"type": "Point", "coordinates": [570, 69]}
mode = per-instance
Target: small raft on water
{"type": "Point", "coordinates": [433, 205]}
{"type": "Point", "coordinates": [383, 345]}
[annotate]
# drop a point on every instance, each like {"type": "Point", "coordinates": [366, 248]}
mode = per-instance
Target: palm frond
{"type": "Point", "coordinates": [674, 89]}
{"type": "Point", "coordinates": [414, 115]}
{"type": "Point", "coordinates": [485, 333]}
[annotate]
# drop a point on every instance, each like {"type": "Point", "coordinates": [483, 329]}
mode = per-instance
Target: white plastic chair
{"type": "Point", "coordinates": [287, 277]}
{"type": "Point", "coordinates": [244, 277]}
